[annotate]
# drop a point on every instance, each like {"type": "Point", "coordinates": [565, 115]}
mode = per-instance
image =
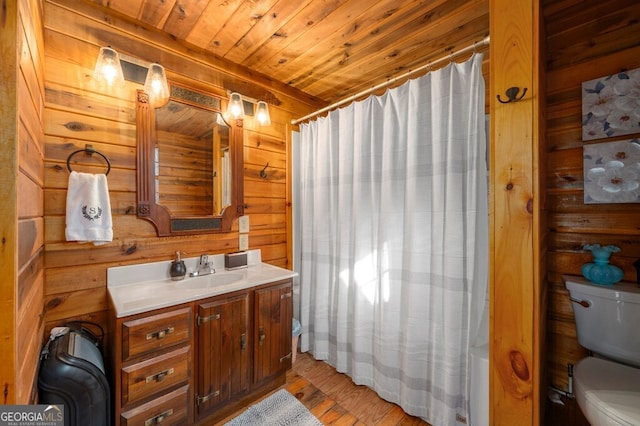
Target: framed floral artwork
{"type": "Point", "coordinates": [611, 106]}
{"type": "Point", "coordinates": [612, 172]}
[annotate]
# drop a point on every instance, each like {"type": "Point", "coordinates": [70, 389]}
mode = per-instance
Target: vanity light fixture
{"type": "Point", "coordinates": [108, 69]}
{"type": "Point", "coordinates": [262, 114]}
{"type": "Point", "coordinates": [156, 84]}
{"type": "Point", "coordinates": [236, 106]}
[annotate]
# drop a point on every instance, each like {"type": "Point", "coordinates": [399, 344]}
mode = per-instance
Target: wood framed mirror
{"type": "Point", "coordinates": [189, 164]}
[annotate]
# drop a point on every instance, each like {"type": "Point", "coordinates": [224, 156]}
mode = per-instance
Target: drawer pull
{"type": "Point", "coordinates": [261, 335]}
{"type": "Point", "coordinates": [287, 356]}
{"type": "Point", "coordinates": [159, 418]}
{"type": "Point", "coordinates": [160, 334]}
{"type": "Point", "coordinates": [285, 295]}
{"type": "Point", "coordinates": [207, 319]}
{"type": "Point", "coordinates": [159, 377]}
{"type": "Point", "coordinates": [201, 399]}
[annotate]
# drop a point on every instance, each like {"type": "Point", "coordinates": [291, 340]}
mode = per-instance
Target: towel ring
{"type": "Point", "coordinates": [90, 151]}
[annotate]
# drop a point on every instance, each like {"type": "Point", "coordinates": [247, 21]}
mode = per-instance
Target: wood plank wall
{"type": "Point", "coordinates": [21, 214]}
{"type": "Point", "coordinates": [78, 112]}
{"type": "Point", "coordinates": [586, 39]}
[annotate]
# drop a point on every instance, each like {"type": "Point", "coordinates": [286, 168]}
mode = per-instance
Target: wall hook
{"type": "Point", "coordinates": [512, 93]}
{"type": "Point", "coordinates": [263, 173]}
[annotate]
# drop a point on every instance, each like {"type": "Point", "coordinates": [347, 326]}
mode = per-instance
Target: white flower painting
{"type": "Point", "coordinates": [612, 172]}
{"type": "Point", "coordinates": [611, 106]}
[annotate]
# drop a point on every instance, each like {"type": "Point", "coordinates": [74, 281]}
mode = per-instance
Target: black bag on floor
{"type": "Point", "coordinates": [72, 374]}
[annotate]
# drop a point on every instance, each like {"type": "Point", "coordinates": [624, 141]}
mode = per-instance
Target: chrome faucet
{"type": "Point", "coordinates": [203, 267]}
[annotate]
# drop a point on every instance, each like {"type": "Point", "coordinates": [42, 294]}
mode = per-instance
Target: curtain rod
{"type": "Point", "coordinates": [428, 66]}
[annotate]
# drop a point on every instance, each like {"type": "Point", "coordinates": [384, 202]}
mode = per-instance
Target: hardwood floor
{"type": "Point", "coordinates": [335, 400]}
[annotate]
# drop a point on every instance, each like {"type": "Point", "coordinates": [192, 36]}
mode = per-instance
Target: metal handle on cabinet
{"type": "Point", "coordinates": [285, 295]}
{"type": "Point", "coordinates": [261, 335]}
{"type": "Point", "coordinates": [243, 342]}
{"type": "Point", "coordinates": [202, 320]}
{"type": "Point", "coordinates": [202, 399]}
{"type": "Point", "coordinates": [159, 376]}
{"type": "Point", "coordinates": [160, 334]}
{"type": "Point", "coordinates": [583, 303]}
{"type": "Point", "coordinates": [159, 418]}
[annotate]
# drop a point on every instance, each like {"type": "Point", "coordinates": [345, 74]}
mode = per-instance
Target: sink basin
{"type": "Point", "coordinates": [208, 281]}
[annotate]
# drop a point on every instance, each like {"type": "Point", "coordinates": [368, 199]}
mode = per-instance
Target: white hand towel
{"type": "Point", "coordinates": [88, 209]}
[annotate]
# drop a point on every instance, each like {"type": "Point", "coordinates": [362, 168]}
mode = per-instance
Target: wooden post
{"type": "Point", "coordinates": [8, 206]}
{"type": "Point", "coordinates": [515, 297]}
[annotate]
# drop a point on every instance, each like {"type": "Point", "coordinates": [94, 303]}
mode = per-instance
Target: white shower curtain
{"type": "Point", "coordinates": [393, 239]}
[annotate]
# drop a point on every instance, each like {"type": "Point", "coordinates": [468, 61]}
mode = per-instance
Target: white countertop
{"type": "Point", "coordinates": [131, 294]}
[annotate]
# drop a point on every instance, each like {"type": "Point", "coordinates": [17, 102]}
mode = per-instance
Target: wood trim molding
{"type": "Point", "coordinates": [515, 376]}
{"type": "Point", "coordinates": [9, 208]}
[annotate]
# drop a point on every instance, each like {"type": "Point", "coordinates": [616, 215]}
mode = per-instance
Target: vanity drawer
{"type": "Point", "coordinates": [168, 410]}
{"type": "Point", "coordinates": [147, 378]}
{"type": "Point", "coordinates": [149, 334]}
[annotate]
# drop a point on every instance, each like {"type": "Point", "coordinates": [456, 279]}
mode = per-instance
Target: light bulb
{"type": "Point", "coordinates": [108, 69]}
{"type": "Point", "coordinates": [156, 84]}
{"type": "Point", "coordinates": [262, 114]}
{"type": "Point", "coordinates": [236, 107]}
{"type": "Point", "coordinates": [236, 110]}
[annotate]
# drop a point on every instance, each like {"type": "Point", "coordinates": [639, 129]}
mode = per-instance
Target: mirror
{"type": "Point", "coordinates": [192, 160]}
{"type": "Point", "coordinates": [190, 165]}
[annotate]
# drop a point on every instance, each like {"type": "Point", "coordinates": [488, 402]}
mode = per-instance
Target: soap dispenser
{"type": "Point", "coordinates": [178, 269]}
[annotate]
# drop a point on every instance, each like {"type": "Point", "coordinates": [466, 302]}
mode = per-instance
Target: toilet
{"type": "Point", "coordinates": [607, 384]}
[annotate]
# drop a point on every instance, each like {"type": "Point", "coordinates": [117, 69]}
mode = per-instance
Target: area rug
{"type": "Point", "coordinates": [280, 409]}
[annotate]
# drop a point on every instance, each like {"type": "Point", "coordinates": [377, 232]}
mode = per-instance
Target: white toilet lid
{"type": "Point", "coordinates": [613, 389]}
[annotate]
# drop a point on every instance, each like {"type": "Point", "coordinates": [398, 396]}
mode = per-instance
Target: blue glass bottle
{"type": "Point", "coordinates": [600, 272]}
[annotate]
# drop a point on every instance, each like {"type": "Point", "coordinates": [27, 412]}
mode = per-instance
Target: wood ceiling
{"type": "Point", "coordinates": [330, 49]}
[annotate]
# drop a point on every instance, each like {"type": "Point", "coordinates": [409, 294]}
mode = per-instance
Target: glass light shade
{"type": "Point", "coordinates": [156, 84]}
{"type": "Point", "coordinates": [262, 114]}
{"type": "Point", "coordinates": [236, 107]}
{"type": "Point", "coordinates": [108, 69]}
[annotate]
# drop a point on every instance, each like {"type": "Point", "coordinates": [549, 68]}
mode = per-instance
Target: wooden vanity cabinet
{"type": "Point", "coordinates": [198, 362]}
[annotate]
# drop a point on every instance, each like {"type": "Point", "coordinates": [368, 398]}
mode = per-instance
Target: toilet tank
{"type": "Point", "coordinates": [607, 318]}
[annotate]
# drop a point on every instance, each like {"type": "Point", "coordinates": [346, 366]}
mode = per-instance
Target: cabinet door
{"type": "Point", "coordinates": [272, 329]}
{"type": "Point", "coordinates": [223, 350]}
